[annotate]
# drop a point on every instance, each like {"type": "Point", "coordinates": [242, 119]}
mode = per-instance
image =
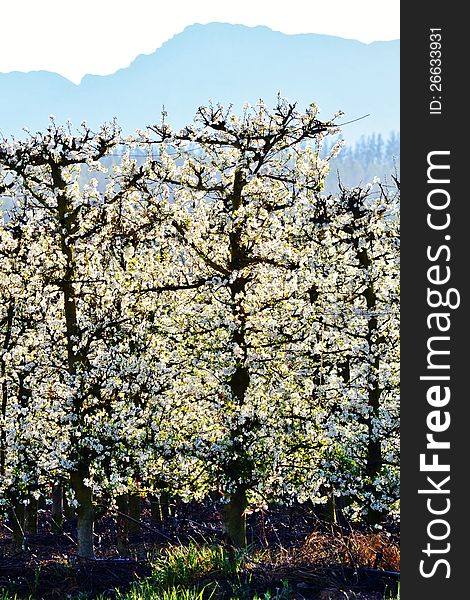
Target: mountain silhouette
{"type": "Point", "coordinates": [231, 64]}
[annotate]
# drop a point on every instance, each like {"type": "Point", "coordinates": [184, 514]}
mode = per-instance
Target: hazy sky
{"type": "Point", "coordinates": [100, 36]}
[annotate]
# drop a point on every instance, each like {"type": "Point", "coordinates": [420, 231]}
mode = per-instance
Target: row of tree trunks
{"type": "Point", "coordinates": [23, 518]}
{"type": "Point", "coordinates": [23, 521]}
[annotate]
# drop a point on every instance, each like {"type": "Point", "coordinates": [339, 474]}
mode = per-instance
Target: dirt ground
{"type": "Point", "coordinates": [321, 561]}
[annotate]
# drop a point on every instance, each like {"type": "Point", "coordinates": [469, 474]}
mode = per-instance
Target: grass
{"type": "Point", "coordinates": [179, 565]}
{"type": "Point", "coordinates": [196, 572]}
{"type": "Point", "coordinates": [397, 597]}
{"type": "Point", "coordinates": [202, 572]}
{"type": "Point", "coordinates": [199, 572]}
{"type": "Point", "coordinates": [147, 591]}
{"type": "Point", "coordinates": [177, 593]}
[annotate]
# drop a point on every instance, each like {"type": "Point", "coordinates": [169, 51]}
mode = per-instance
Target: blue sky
{"type": "Point", "coordinates": [74, 38]}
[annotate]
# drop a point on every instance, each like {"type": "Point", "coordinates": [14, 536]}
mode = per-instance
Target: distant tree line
{"type": "Point", "coordinates": [357, 164]}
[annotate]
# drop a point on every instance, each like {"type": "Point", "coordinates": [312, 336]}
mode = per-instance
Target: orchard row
{"type": "Point", "coordinates": [185, 312]}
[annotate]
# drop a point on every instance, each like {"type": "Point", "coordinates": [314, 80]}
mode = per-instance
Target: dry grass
{"type": "Point", "coordinates": [318, 560]}
{"type": "Point", "coordinates": [356, 550]}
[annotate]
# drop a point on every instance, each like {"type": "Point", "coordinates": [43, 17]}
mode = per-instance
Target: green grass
{"type": "Point", "coordinates": [193, 572]}
{"type": "Point", "coordinates": [148, 591]}
{"type": "Point", "coordinates": [397, 597]}
{"type": "Point", "coordinates": [180, 565]}
{"type": "Point", "coordinates": [197, 572]}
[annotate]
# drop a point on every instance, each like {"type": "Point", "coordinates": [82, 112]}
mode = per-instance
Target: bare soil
{"type": "Point", "coordinates": [321, 561]}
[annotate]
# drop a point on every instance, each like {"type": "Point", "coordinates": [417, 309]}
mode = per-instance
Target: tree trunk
{"type": "Point", "coordinates": [374, 462]}
{"type": "Point", "coordinates": [122, 525]}
{"type": "Point", "coordinates": [7, 324]}
{"type": "Point", "coordinates": [69, 510]}
{"type": "Point", "coordinates": [373, 468]}
{"type": "Point", "coordinates": [156, 510]}
{"type": "Point", "coordinates": [57, 509]}
{"type": "Point", "coordinates": [32, 516]}
{"type": "Point", "coordinates": [134, 513]}
{"type": "Point", "coordinates": [235, 518]}
{"type": "Point", "coordinates": [160, 507]}
{"type": "Point", "coordinates": [17, 520]}
{"type": "Point", "coordinates": [330, 508]}
{"type": "Point", "coordinates": [241, 469]}
{"type": "Point", "coordinates": [85, 513]}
